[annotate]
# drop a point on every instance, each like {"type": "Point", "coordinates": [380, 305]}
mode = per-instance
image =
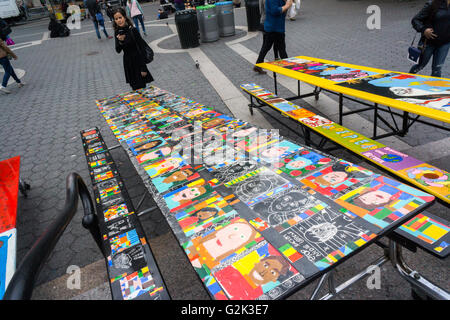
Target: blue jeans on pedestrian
{"type": "Point", "coordinates": [138, 19]}
{"type": "Point", "coordinates": [102, 24]}
{"type": "Point", "coordinates": [179, 6]}
{"type": "Point", "coordinates": [9, 71]}
{"type": "Point", "coordinates": [439, 54]}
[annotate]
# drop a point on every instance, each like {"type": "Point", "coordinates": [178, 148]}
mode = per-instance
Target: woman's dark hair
{"type": "Point", "coordinates": [124, 14]}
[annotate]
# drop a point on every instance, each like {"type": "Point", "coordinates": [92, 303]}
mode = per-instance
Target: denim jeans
{"type": "Point", "coordinates": [9, 71]}
{"type": "Point", "coordinates": [102, 24]}
{"type": "Point", "coordinates": [439, 54]}
{"type": "Point", "coordinates": [136, 20]}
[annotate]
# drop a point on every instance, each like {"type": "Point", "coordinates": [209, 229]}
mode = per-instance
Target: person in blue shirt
{"type": "Point", "coordinates": [274, 27]}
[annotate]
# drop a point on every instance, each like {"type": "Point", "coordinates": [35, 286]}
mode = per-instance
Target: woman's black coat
{"type": "Point", "coordinates": [132, 60]}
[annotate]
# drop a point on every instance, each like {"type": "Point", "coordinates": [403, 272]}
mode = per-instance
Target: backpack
{"type": "Point", "coordinates": [5, 29]}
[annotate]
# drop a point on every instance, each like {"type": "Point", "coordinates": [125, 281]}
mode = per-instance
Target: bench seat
{"type": "Point", "coordinates": [132, 269]}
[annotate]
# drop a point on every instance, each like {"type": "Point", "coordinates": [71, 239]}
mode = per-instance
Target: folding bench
{"type": "Point", "coordinates": [132, 269]}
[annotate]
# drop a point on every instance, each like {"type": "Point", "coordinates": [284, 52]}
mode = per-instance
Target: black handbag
{"type": "Point", "coordinates": [144, 49]}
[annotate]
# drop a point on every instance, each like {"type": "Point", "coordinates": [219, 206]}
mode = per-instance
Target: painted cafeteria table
{"type": "Point", "coordinates": [413, 96]}
{"type": "Point", "coordinates": [254, 229]}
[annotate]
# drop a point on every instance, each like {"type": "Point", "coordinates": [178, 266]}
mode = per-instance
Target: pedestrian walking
{"type": "Point", "coordinates": [130, 41]}
{"type": "Point", "coordinates": [293, 10]}
{"type": "Point", "coordinates": [5, 55]}
{"type": "Point", "coordinates": [97, 17]}
{"type": "Point", "coordinates": [136, 13]}
{"type": "Point", "coordinates": [274, 30]}
{"type": "Point", "coordinates": [433, 22]}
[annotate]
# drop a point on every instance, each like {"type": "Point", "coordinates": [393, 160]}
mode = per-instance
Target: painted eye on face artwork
{"type": "Point", "coordinates": [265, 265]}
{"type": "Point", "coordinates": [273, 272]}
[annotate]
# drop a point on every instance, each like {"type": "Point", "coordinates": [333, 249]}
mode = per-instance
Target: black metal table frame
{"type": "Point", "coordinates": [392, 252]}
{"type": "Point", "coordinates": [406, 119]}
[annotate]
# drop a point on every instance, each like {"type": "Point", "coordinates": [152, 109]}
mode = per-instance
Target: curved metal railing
{"type": "Point", "coordinates": [22, 283]}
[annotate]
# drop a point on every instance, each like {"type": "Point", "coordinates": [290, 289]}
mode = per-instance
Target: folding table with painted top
{"type": "Point", "coordinates": [259, 229]}
{"type": "Point", "coordinates": [413, 96]}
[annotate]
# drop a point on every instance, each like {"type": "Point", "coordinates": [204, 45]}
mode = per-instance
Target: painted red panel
{"type": "Point", "coordinates": [9, 191]}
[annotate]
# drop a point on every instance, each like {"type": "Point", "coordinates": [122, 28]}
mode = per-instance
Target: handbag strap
{"type": "Point", "coordinates": [414, 39]}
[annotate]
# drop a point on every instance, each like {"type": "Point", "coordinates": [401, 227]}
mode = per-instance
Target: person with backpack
{"type": "Point", "coordinates": [97, 17]}
{"type": "Point", "coordinates": [433, 22]}
{"type": "Point", "coordinates": [136, 13]}
{"type": "Point", "coordinates": [57, 29]}
{"type": "Point", "coordinates": [129, 40]}
{"type": "Point", "coordinates": [5, 55]}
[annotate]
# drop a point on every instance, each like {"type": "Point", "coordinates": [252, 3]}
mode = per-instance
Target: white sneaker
{"type": "Point", "coordinates": [3, 89]}
{"type": "Point", "coordinates": [20, 85]}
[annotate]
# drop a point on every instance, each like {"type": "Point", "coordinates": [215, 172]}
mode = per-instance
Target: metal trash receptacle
{"type": "Point", "coordinates": [207, 23]}
{"type": "Point", "coordinates": [253, 14]}
{"type": "Point", "coordinates": [225, 18]}
{"type": "Point", "coordinates": [187, 28]}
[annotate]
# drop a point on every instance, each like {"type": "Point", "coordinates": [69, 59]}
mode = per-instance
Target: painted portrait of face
{"type": "Point", "coordinates": [212, 123]}
{"type": "Point", "coordinates": [268, 270]}
{"type": "Point", "coordinates": [148, 146]}
{"type": "Point", "coordinates": [206, 213]}
{"type": "Point", "coordinates": [224, 241]}
{"type": "Point", "coordinates": [372, 199]}
{"type": "Point", "coordinates": [274, 152]}
{"type": "Point", "coordinates": [186, 195]}
{"type": "Point", "coordinates": [178, 176]}
{"type": "Point", "coordinates": [244, 132]}
{"type": "Point", "coordinates": [153, 155]}
{"type": "Point", "coordinates": [298, 163]}
{"type": "Point", "coordinates": [332, 178]}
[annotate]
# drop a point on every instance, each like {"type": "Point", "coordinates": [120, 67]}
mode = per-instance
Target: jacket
{"type": "Point", "coordinates": [438, 18]}
{"type": "Point", "coordinates": [4, 50]}
{"type": "Point", "coordinates": [275, 17]}
{"type": "Point", "coordinates": [129, 8]}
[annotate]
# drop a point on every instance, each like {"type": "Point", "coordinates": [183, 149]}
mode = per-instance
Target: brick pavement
{"type": "Point", "coordinates": [41, 122]}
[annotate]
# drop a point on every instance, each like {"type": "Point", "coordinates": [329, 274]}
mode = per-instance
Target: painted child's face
{"type": "Point", "coordinates": [376, 197]}
{"type": "Point", "coordinates": [297, 164]}
{"type": "Point", "coordinates": [187, 194]}
{"type": "Point", "coordinates": [335, 177]}
{"type": "Point", "coordinates": [205, 214]}
{"type": "Point", "coordinates": [265, 271]}
{"type": "Point", "coordinates": [228, 238]}
{"type": "Point", "coordinates": [171, 162]}
{"type": "Point", "coordinates": [244, 133]}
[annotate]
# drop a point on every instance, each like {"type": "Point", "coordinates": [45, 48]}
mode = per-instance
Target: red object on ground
{"type": "Point", "coordinates": [9, 192]}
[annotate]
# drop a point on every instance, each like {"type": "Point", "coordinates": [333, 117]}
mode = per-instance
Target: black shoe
{"type": "Point", "coordinates": [259, 70]}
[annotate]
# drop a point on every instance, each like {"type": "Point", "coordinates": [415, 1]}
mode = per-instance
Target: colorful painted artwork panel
{"type": "Point", "coordinates": [303, 163]}
{"type": "Point", "coordinates": [383, 201]}
{"type": "Point", "coordinates": [256, 274]}
{"type": "Point", "coordinates": [124, 241]}
{"type": "Point", "coordinates": [257, 185]}
{"type": "Point", "coordinates": [166, 165]}
{"type": "Point", "coordinates": [116, 211]}
{"type": "Point", "coordinates": [336, 180]}
{"type": "Point", "coordinates": [7, 258]}
{"type": "Point", "coordinates": [168, 181]}
{"type": "Point", "coordinates": [138, 283]}
{"type": "Point", "coordinates": [435, 179]}
{"type": "Point", "coordinates": [425, 228]}
{"type": "Point", "coordinates": [275, 152]}
{"type": "Point", "coordinates": [205, 214]}
{"type": "Point", "coordinates": [288, 206]}
{"type": "Point", "coordinates": [427, 92]}
{"type": "Point", "coordinates": [392, 159]}
{"type": "Point", "coordinates": [187, 195]}
{"type": "Point", "coordinates": [148, 146]}
{"type": "Point", "coordinates": [350, 139]}
{"type": "Point", "coordinates": [155, 155]}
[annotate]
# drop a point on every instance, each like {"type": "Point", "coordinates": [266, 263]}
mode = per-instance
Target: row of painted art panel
{"type": "Point", "coordinates": [256, 214]}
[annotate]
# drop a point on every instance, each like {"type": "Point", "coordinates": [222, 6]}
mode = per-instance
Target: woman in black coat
{"type": "Point", "coordinates": [129, 40]}
{"type": "Point", "coordinates": [433, 22]}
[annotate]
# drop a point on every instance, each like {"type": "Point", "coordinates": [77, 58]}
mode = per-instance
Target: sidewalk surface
{"type": "Point", "coordinates": [41, 123]}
